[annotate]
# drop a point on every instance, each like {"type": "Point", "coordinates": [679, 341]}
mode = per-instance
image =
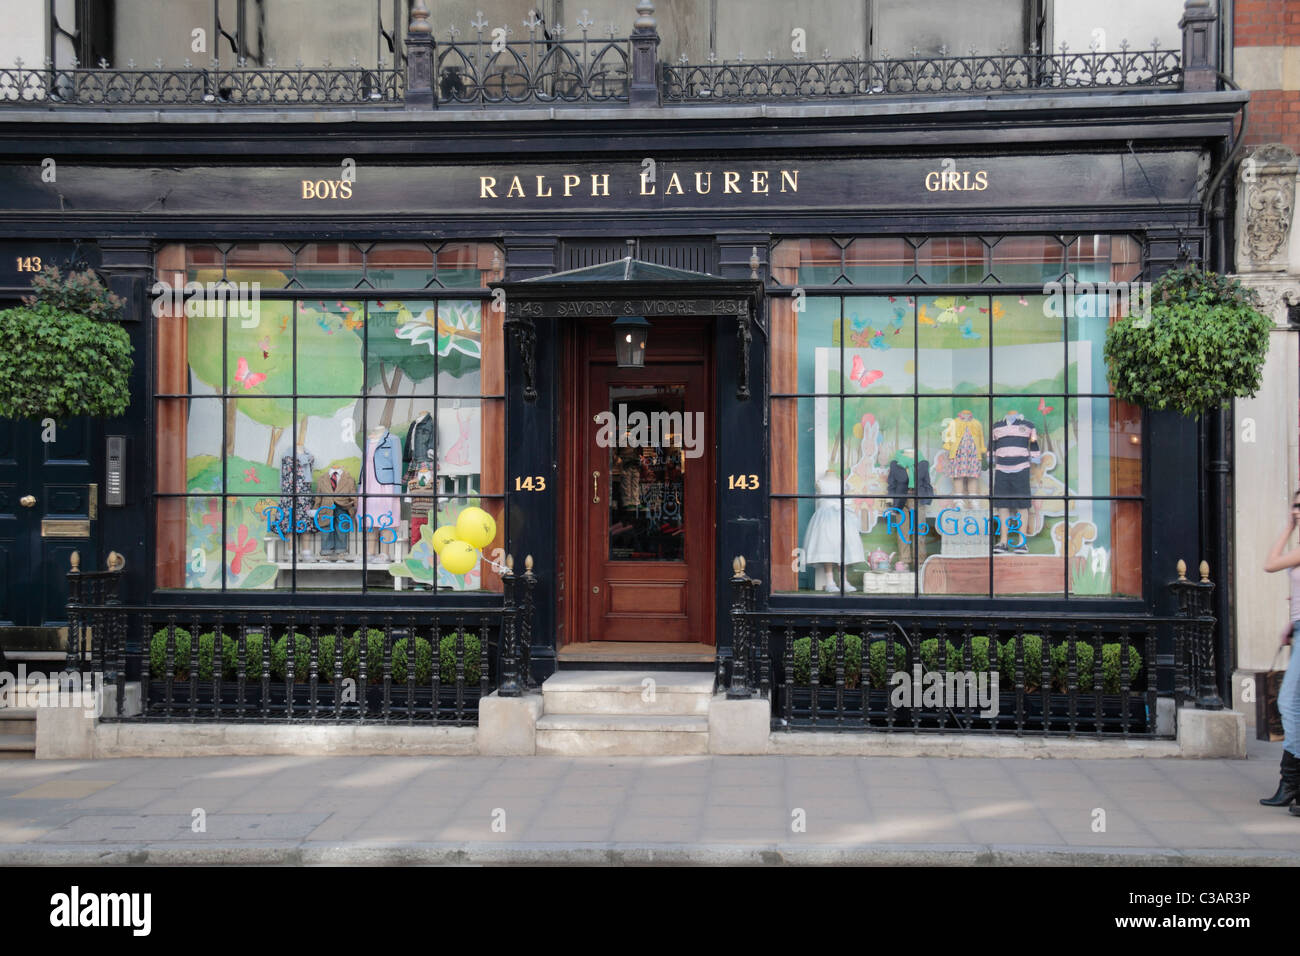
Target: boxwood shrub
{"type": "Point", "coordinates": [826, 660]}
{"type": "Point", "coordinates": [980, 648]}
{"type": "Point", "coordinates": [447, 658]}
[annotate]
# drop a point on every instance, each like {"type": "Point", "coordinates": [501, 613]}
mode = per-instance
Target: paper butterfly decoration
{"type": "Point", "coordinates": [862, 375]}
{"type": "Point", "coordinates": [246, 378]}
{"type": "Point", "coordinates": [862, 337]}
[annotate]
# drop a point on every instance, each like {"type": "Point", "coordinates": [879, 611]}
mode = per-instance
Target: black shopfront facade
{"type": "Point", "coordinates": [833, 295]}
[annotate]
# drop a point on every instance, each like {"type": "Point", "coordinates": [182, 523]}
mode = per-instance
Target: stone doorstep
{"type": "Point", "coordinates": [596, 741]}
{"type": "Point", "coordinates": [624, 723]}
{"type": "Point", "coordinates": [622, 693]}
{"type": "Point", "coordinates": [18, 742]}
{"type": "Point", "coordinates": [586, 735]}
{"type": "Point", "coordinates": [627, 703]}
{"type": "Point", "coordinates": [629, 681]}
{"type": "Point", "coordinates": [18, 720]}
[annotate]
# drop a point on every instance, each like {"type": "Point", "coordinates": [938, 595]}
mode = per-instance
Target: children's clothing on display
{"type": "Point", "coordinates": [907, 475]}
{"type": "Point", "coordinates": [1015, 446]}
{"type": "Point", "coordinates": [335, 495]}
{"type": "Point", "coordinates": [296, 493]}
{"type": "Point", "coordinates": [387, 458]}
{"type": "Point", "coordinates": [963, 440]}
{"type": "Point", "coordinates": [422, 503]}
{"type": "Point", "coordinates": [382, 461]}
{"type": "Point", "coordinates": [822, 540]}
{"type": "Point", "coordinates": [421, 445]}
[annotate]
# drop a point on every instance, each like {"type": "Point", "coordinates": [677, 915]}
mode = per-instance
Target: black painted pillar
{"type": "Point", "coordinates": [741, 445]}
{"type": "Point", "coordinates": [532, 449]}
{"type": "Point", "coordinates": [127, 268]}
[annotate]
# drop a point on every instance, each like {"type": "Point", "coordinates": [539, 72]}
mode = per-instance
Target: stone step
{"type": "Point", "coordinates": [610, 735]}
{"type": "Point", "coordinates": [627, 693]}
{"type": "Point", "coordinates": [18, 720]}
{"type": "Point", "coordinates": [17, 746]}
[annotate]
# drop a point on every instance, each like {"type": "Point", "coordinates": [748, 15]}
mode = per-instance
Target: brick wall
{"type": "Point", "coordinates": [1267, 61]}
{"type": "Point", "coordinates": [1267, 22]}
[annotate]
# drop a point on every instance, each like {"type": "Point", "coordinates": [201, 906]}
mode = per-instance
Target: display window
{"type": "Point", "coordinates": [961, 442]}
{"type": "Point", "coordinates": [307, 440]}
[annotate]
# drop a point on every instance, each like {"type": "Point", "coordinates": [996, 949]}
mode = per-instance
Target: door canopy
{"type": "Point", "coordinates": [627, 287]}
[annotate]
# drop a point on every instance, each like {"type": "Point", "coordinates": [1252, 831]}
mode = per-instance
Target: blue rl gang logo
{"type": "Point", "coordinates": [326, 521]}
{"type": "Point", "coordinates": [950, 521]}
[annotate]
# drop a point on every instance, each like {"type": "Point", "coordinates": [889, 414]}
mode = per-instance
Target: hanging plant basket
{"type": "Point", "coordinates": [61, 353]}
{"type": "Point", "coordinates": [1195, 341]}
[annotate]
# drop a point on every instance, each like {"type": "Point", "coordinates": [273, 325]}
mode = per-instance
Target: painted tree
{"type": "Point", "coordinates": [259, 362]}
{"type": "Point", "coordinates": [390, 354]}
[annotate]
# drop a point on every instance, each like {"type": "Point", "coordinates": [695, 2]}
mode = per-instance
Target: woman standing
{"type": "Point", "coordinates": [1288, 698]}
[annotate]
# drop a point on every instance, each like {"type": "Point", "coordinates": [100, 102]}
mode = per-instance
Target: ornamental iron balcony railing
{"type": "Point", "coordinates": [552, 66]}
{"type": "Point", "coordinates": [546, 68]}
{"type": "Point", "coordinates": [974, 74]}
{"type": "Point", "coordinates": [267, 86]}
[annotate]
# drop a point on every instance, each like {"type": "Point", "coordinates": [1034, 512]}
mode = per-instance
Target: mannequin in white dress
{"type": "Point", "coordinates": [822, 539]}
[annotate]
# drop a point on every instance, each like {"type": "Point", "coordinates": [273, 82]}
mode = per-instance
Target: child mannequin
{"type": "Point", "coordinates": [823, 537]}
{"type": "Point", "coordinates": [963, 440]}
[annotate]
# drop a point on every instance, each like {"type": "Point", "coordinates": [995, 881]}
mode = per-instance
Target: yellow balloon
{"type": "Point", "coordinates": [442, 536]}
{"type": "Point", "coordinates": [476, 526]}
{"type": "Point", "coordinates": [458, 556]}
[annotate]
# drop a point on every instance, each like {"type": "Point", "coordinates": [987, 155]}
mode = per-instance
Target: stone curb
{"type": "Point", "coordinates": [628, 854]}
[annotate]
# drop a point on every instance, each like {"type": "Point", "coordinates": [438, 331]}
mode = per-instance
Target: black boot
{"type": "Point", "coordinates": [1295, 809]}
{"type": "Point", "coordinates": [1288, 790]}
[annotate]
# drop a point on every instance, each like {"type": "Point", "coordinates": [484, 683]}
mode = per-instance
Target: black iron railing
{"type": "Point", "coordinates": [268, 86]}
{"type": "Point", "coordinates": [551, 67]}
{"type": "Point", "coordinates": [1077, 675]}
{"type": "Point", "coordinates": [548, 67]}
{"type": "Point", "coordinates": [302, 663]}
{"type": "Point", "coordinates": [972, 75]}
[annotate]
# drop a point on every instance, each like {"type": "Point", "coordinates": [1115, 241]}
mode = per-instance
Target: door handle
{"type": "Point", "coordinates": [27, 501]}
{"type": "Point", "coordinates": [595, 487]}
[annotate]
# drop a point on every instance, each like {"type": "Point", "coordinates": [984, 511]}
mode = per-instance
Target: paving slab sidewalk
{"type": "Point", "coordinates": [748, 810]}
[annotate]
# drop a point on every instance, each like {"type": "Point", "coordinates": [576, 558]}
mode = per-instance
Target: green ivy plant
{"type": "Point", "coordinates": [61, 354]}
{"type": "Point", "coordinates": [1196, 341]}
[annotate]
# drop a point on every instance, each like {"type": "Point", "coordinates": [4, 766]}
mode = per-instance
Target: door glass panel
{"type": "Point", "coordinates": [647, 432]}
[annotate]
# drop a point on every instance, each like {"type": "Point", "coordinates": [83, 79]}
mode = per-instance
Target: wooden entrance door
{"type": "Point", "coordinates": [647, 493]}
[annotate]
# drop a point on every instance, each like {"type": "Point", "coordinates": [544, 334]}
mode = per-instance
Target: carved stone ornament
{"type": "Point", "coordinates": [1266, 204]}
{"type": "Point", "coordinates": [1279, 296]}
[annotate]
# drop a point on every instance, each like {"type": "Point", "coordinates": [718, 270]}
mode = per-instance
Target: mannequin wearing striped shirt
{"type": "Point", "coordinates": [1013, 442]}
